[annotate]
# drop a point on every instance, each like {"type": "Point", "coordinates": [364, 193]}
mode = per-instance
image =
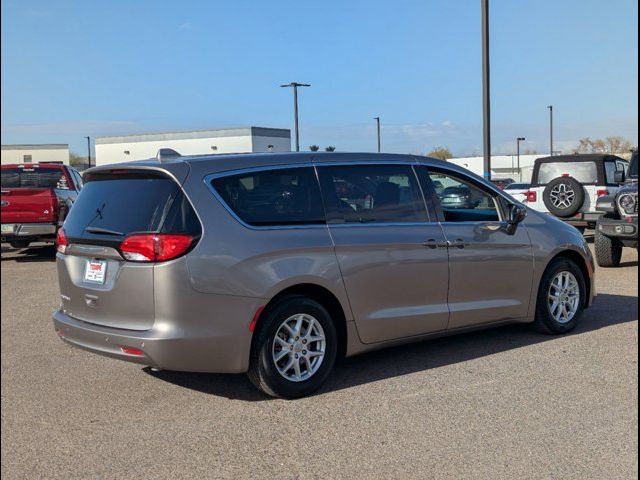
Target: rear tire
{"type": "Point", "coordinates": [287, 335]}
{"type": "Point", "coordinates": [547, 319]}
{"type": "Point", "coordinates": [608, 250]}
{"type": "Point", "coordinates": [19, 244]}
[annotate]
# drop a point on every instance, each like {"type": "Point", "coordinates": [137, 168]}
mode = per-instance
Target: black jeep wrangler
{"type": "Point", "coordinates": [618, 227]}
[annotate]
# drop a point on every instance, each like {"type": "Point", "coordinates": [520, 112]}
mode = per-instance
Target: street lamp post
{"type": "Point", "coordinates": [88, 150]}
{"type": "Point", "coordinates": [550, 107]}
{"type": "Point", "coordinates": [486, 97]}
{"type": "Point", "coordinates": [295, 86]}
{"type": "Point", "coordinates": [518, 140]}
{"type": "Point", "coordinates": [377, 119]}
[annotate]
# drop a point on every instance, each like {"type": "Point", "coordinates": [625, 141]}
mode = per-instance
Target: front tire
{"type": "Point", "coordinates": [608, 250]}
{"type": "Point", "coordinates": [294, 348]}
{"type": "Point", "coordinates": [561, 297]}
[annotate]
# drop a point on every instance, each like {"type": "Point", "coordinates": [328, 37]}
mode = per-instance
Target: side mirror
{"type": "Point", "coordinates": [619, 176]}
{"type": "Point", "coordinates": [517, 213]}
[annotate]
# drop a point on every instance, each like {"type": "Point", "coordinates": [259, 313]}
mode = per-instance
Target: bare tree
{"type": "Point", "coordinates": [615, 144]}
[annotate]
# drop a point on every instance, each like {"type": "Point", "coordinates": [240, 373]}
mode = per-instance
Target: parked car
{"type": "Point", "coordinates": [458, 197]}
{"type": "Point", "coordinates": [36, 198]}
{"type": "Point", "coordinates": [568, 186]}
{"type": "Point", "coordinates": [278, 264]}
{"type": "Point", "coordinates": [518, 190]}
{"type": "Point", "coordinates": [618, 227]}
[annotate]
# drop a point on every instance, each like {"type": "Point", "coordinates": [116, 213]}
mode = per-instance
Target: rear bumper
{"type": "Point", "coordinates": [583, 219]}
{"type": "Point", "coordinates": [28, 230]}
{"type": "Point", "coordinates": [161, 347]}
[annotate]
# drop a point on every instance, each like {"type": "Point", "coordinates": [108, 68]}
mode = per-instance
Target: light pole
{"type": "Point", "coordinates": [550, 107]}
{"type": "Point", "coordinates": [518, 140]}
{"type": "Point", "coordinates": [486, 91]}
{"type": "Point", "coordinates": [295, 86]}
{"type": "Point", "coordinates": [377, 119]}
{"type": "Point", "coordinates": [88, 150]}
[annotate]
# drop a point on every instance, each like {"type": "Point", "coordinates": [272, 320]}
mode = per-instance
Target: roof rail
{"type": "Point", "coordinates": [165, 154]}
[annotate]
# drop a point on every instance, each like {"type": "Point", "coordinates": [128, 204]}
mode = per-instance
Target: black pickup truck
{"type": "Point", "coordinates": [618, 227]}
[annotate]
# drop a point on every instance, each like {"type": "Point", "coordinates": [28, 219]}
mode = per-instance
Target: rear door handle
{"type": "Point", "coordinates": [457, 243]}
{"type": "Point", "coordinates": [433, 243]}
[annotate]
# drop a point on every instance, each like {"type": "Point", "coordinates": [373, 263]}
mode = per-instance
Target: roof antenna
{"type": "Point", "coordinates": [165, 154]}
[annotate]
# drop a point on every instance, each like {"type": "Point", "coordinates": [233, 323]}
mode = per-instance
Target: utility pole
{"type": "Point", "coordinates": [377, 119]}
{"type": "Point", "coordinates": [295, 86]}
{"type": "Point", "coordinates": [550, 107]}
{"type": "Point", "coordinates": [486, 91]}
{"type": "Point", "coordinates": [88, 150]}
{"type": "Point", "coordinates": [518, 140]}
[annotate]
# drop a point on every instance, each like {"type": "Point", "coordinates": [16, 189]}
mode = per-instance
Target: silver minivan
{"type": "Point", "coordinates": [280, 264]}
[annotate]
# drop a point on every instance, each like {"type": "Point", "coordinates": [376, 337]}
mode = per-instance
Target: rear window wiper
{"type": "Point", "coordinates": [104, 231]}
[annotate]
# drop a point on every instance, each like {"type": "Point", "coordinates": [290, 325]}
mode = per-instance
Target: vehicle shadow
{"type": "Point", "coordinates": [608, 310]}
{"type": "Point", "coordinates": [45, 253]}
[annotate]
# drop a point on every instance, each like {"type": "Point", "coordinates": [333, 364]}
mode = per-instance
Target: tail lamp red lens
{"type": "Point", "coordinates": [531, 196]}
{"type": "Point", "coordinates": [61, 241]}
{"type": "Point", "coordinates": [155, 247]}
{"type": "Point", "coordinates": [602, 192]}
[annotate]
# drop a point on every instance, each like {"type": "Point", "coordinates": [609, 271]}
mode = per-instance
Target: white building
{"type": "Point", "coordinates": [200, 142]}
{"type": "Point", "coordinates": [502, 166]}
{"type": "Point", "coordinates": [35, 153]}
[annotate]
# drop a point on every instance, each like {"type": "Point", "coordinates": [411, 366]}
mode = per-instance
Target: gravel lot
{"type": "Point", "coordinates": [502, 403]}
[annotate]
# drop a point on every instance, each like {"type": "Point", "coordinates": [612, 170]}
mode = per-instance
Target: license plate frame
{"type": "Point", "coordinates": [95, 271]}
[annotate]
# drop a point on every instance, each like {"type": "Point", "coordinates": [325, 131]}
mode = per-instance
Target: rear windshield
{"type": "Point", "coordinates": [583, 172]}
{"type": "Point", "coordinates": [117, 205]}
{"type": "Point", "coordinates": [517, 186]}
{"type": "Point", "coordinates": [34, 177]}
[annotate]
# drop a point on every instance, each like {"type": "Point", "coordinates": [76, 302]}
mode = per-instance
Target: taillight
{"type": "Point", "coordinates": [602, 193]}
{"type": "Point", "coordinates": [154, 247]}
{"type": "Point", "coordinates": [61, 241]}
{"type": "Point", "coordinates": [531, 196]}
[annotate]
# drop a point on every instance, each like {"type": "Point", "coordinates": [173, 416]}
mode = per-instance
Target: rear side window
{"type": "Point", "coordinates": [372, 193]}
{"type": "Point", "coordinates": [583, 172]}
{"type": "Point", "coordinates": [35, 177]}
{"type": "Point", "coordinates": [273, 197]}
{"type": "Point", "coordinates": [115, 205]}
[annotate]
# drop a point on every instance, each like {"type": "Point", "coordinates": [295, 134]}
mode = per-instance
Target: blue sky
{"type": "Point", "coordinates": [77, 68]}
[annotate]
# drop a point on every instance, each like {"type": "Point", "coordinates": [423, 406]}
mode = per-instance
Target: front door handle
{"type": "Point", "coordinates": [433, 243]}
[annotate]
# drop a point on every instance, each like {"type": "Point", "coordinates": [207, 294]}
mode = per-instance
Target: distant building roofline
{"type": "Point", "coordinates": [187, 135]}
{"type": "Point", "coordinates": [36, 146]}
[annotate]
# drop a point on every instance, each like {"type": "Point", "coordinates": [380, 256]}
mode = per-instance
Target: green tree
{"type": "Point", "coordinates": [330, 148]}
{"type": "Point", "coordinates": [314, 148]}
{"type": "Point", "coordinates": [443, 153]}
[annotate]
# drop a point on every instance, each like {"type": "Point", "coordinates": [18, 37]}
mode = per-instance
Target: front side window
{"type": "Point", "coordinates": [583, 172]}
{"type": "Point", "coordinates": [273, 197]}
{"type": "Point", "coordinates": [462, 200]}
{"type": "Point", "coordinates": [372, 194]}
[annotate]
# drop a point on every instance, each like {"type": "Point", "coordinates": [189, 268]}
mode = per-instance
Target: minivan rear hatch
{"type": "Point", "coordinates": [97, 284]}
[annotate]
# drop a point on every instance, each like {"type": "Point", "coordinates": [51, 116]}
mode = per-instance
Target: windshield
{"type": "Point", "coordinates": [633, 168]}
{"type": "Point", "coordinates": [34, 177]}
{"type": "Point", "coordinates": [583, 172]}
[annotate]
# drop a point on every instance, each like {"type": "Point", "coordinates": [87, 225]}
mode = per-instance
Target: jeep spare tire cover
{"type": "Point", "coordinates": [564, 196]}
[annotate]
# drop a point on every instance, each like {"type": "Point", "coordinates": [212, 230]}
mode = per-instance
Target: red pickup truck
{"type": "Point", "coordinates": [35, 200]}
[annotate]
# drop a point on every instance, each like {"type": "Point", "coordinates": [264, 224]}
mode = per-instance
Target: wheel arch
{"type": "Point", "coordinates": [323, 296]}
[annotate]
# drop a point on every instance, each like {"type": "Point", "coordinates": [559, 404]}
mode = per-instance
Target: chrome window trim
{"type": "Point", "coordinates": [314, 165]}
